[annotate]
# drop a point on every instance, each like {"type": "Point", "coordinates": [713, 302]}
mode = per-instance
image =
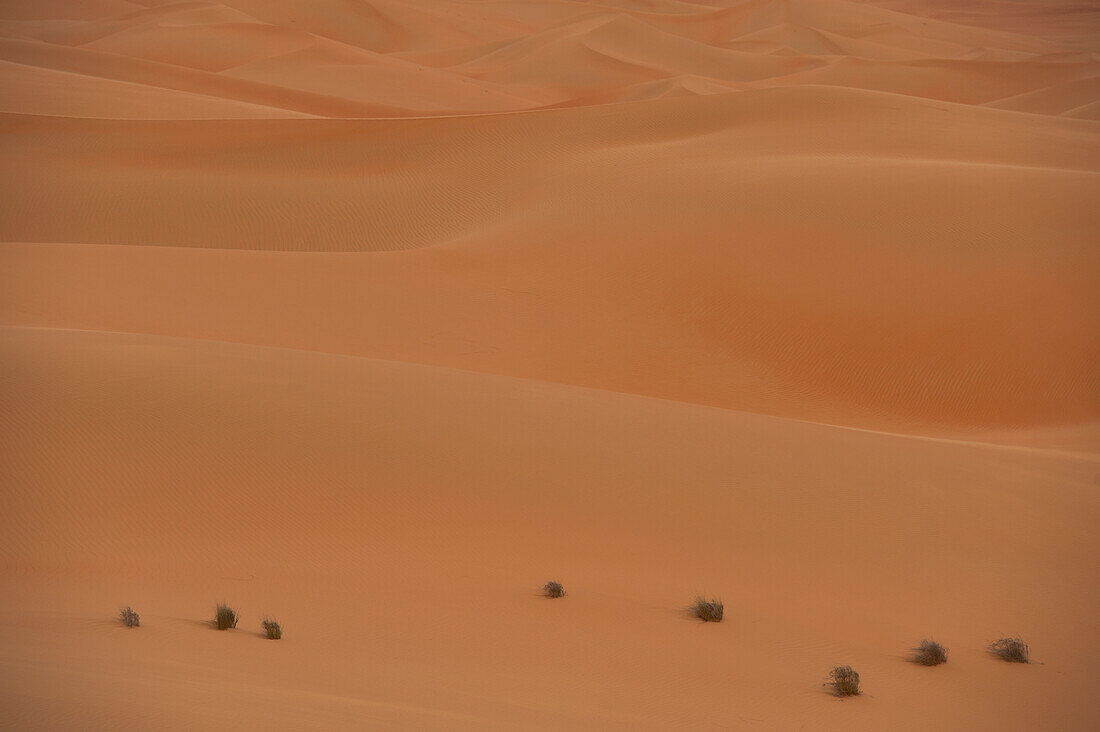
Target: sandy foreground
{"type": "Point", "coordinates": [375, 316]}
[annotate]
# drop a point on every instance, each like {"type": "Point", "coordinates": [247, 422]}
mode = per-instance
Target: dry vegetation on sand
{"type": "Point", "coordinates": [225, 617]}
{"type": "Point", "coordinates": [844, 681]}
{"type": "Point", "coordinates": [553, 589]}
{"type": "Point", "coordinates": [272, 629]}
{"type": "Point", "coordinates": [1013, 650]}
{"type": "Point", "coordinates": [129, 618]}
{"type": "Point", "coordinates": [708, 609]}
{"type": "Point", "coordinates": [929, 653]}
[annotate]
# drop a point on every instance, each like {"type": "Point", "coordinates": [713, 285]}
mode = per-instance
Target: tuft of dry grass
{"type": "Point", "coordinates": [708, 609]}
{"type": "Point", "coordinates": [272, 629]}
{"type": "Point", "coordinates": [225, 617]}
{"type": "Point", "coordinates": [129, 618]}
{"type": "Point", "coordinates": [929, 653]}
{"type": "Point", "coordinates": [844, 680]}
{"type": "Point", "coordinates": [1013, 650]}
{"type": "Point", "coordinates": [553, 588]}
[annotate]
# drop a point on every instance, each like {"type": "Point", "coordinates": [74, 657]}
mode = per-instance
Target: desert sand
{"type": "Point", "coordinates": [374, 316]}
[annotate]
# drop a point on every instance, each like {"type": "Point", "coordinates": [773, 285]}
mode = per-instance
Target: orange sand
{"type": "Point", "coordinates": [374, 316]}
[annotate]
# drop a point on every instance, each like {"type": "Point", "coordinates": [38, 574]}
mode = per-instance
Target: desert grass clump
{"type": "Point", "coordinates": [1012, 650]}
{"type": "Point", "coordinates": [225, 617]}
{"type": "Point", "coordinates": [272, 629]}
{"type": "Point", "coordinates": [844, 680]}
{"type": "Point", "coordinates": [553, 588]}
{"type": "Point", "coordinates": [129, 618]}
{"type": "Point", "coordinates": [709, 610]}
{"type": "Point", "coordinates": [929, 653]}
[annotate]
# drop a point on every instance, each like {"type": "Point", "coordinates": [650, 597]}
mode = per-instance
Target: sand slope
{"type": "Point", "coordinates": [399, 518]}
{"type": "Point", "coordinates": [739, 265]}
{"type": "Point", "coordinates": [377, 315]}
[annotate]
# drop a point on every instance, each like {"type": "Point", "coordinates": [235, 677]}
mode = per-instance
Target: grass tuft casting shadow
{"type": "Point", "coordinates": [708, 609]}
{"type": "Point", "coordinates": [225, 617]}
{"type": "Point", "coordinates": [929, 653]}
{"type": "Point", "coordinates": [1013, 650]}
{"type": "Point", "coordinates": [129, 618]}
{"type": "Point", "coordinates": [272, 629]}
{"type": "Point", "coordinates": [844, 681]}
{"type": "Point", "coordinates": [553, 589]}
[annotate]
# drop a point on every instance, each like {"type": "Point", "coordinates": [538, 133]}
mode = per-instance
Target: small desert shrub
{"type": "Point", "coordinates": [272, 629]}
{"type": "Point", "coordinates": [225, 617]}
{"type": "Point", "coordinates": [128, 617]}
{"type": "Point", "coordinates": [844, 680]}
{"type": "Point", "coordinates": [553, 589]}
{"type": "Point", "coordinates": [1013, 650]}
{"type": "Point", "coordinates": [709, 610]}
{"type": "Point", "coordinates": [929, 653]}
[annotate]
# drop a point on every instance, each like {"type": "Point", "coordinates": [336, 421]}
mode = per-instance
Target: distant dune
{"type": "Point", "coordinates": [375, 316]}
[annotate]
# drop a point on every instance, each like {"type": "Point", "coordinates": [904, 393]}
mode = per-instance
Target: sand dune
{"type": "Point", "coordinates": [703, 246]}
{"type": "Point", "coordinates": [1074, 22]}
{"type": "Point", "coordinates": [1056, 99]}
{"type": "Point", "coordinates": [178, 78]}
{"type": "Point", "coordinates": [43, 91]}
{"type": "Point", "coordinates": [411, 479]}
{"type": "Point", "coordinates": [966, 82]}
{"type": "Point", "coordinates": [389, 59]}
{"type": "Point", "coordinates": [368, 77]}
{"type": "Point", "coordinates": [377, 315]}
{"type": "Point", "coordinates": [608, 51]}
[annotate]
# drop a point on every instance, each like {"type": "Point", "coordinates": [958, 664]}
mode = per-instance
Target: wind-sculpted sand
{"type": "Point", "coordinates": [373, 317]}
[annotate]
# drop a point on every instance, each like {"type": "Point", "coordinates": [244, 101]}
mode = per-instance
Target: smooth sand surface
{"type": "Point", "coordinates": [375, 316]}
